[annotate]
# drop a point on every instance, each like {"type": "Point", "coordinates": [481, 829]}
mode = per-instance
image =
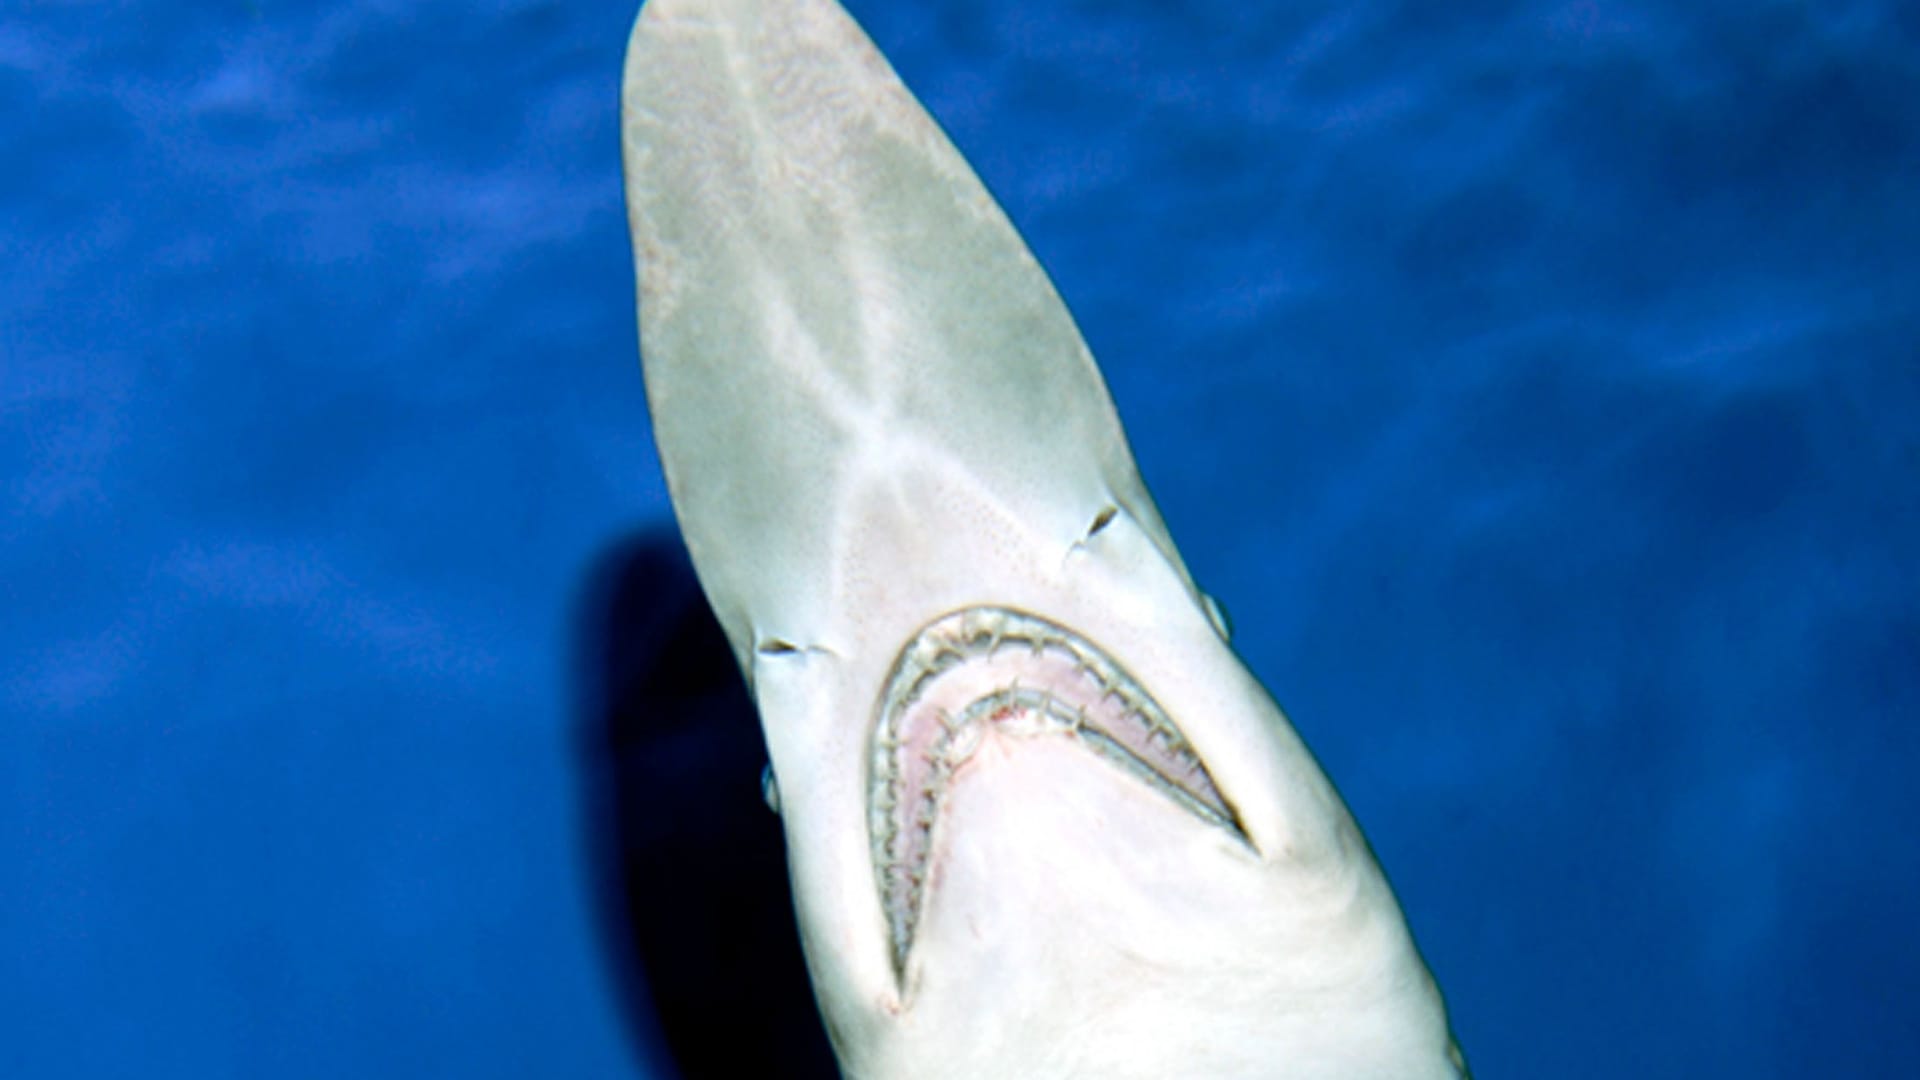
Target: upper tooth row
{"type": "Point", "coordinates": [980, 633]}
{"type": "Point", "coordinates": [945, 645]}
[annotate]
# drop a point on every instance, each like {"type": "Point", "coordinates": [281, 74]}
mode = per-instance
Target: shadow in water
{"type": "Point", "coordinates": [697, 910]}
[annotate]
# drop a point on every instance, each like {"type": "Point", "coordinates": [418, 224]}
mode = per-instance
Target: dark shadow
{"type": "Point", "coordinates": [697, 911]}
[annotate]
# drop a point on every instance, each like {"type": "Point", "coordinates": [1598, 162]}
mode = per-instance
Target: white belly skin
{"type": "Point", "coordinates": [1082, 928]}
{"type": "Point", "coordinates": [874, 413]}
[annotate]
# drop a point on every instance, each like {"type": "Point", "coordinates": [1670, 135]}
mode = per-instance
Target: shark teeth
{"type": "Point", "coordinates": [995, 670]}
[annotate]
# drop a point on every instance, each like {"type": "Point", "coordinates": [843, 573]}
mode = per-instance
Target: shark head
{"type": "Point", "coordinates": [1040, 819]}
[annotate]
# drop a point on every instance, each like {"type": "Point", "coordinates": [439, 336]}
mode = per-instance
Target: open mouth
{"type": "Point", "coordinates": [990, 671]}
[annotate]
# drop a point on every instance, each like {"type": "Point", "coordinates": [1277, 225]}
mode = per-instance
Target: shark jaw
{"type": "Point", "coordinates": [994, 673]}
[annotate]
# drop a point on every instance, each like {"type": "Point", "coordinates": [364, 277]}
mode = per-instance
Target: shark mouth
{"type": "Point", "coordinates": [990, 669]}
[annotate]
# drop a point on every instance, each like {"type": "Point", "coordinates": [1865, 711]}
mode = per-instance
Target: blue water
{"type": "Point", "coordinates": [1538, 386]}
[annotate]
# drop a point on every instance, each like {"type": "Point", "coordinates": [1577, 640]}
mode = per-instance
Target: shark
{"type": "Point", "coordinates": [1041, 820]}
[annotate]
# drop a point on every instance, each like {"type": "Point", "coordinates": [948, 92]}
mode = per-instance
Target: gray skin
{"type": "Point", "coordinates": [874, 411]}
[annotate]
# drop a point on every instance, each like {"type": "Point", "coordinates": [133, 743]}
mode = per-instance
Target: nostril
{"type": "Point", "coordinates": [1101, 520]}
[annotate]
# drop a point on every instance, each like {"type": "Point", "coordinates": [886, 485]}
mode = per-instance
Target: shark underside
{"type": "Point", "coordinates": [1041, 821]}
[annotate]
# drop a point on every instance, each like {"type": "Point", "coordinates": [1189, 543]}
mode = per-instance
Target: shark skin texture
{"type": "Point", "coordinates": [1040, 819]}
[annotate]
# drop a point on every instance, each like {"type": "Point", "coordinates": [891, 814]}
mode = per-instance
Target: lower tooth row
{"type": "Point", "coordinates": [902, 834]}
